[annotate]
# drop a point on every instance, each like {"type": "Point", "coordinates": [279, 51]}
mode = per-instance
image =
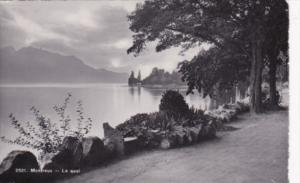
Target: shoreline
{"type": "Point", "coordinates": [169, 86]}
{"type": "Point", "coordinates": [237, 108]}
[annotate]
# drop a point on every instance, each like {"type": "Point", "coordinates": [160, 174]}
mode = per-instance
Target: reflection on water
{"type": "Point", "coordinates": [113, 103]}
{"type": "Point", "coordinates": [135, 90]}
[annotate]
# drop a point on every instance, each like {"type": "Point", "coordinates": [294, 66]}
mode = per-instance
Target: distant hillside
{"type": "Point", "coordinates": [32, 65]}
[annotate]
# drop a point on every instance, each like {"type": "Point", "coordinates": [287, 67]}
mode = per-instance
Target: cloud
{"type": "Point", "coordinates": [10, 33]}
{"type": "Point", "coordinates": [82, 18]}
{"type": "Point", "coordinates": [121, 44]}
{"type": "Point", "coordinates": [115, 62]}
{"type": "Point", "coordinates": [97, 32]}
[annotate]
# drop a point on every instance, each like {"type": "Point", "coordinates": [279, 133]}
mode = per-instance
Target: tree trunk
{"type": "Point", "coordinates": [255, 77]}
{"type": "Point", "coordinates": [272, 81]}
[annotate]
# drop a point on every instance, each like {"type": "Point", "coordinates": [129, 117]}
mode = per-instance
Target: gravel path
{"type": "Point", "coordinates": [256, 153]}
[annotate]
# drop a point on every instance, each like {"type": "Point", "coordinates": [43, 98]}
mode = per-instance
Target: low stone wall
{"type": "Point", "coordinates": [73, 156]}
{"type": "Point", "coordinates": [182, 136]}
{"type": "Point", "coordinates": [78, 154]}
{"type": "Point", "coordinates": [17, 166]}
{"type": "Point", "coordinates": [115, 137]}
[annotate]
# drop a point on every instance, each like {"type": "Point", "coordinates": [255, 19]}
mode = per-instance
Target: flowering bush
{"type": "Point", "coordinates": [46, 136]}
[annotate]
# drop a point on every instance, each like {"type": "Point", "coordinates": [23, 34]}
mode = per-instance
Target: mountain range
{"type": "Point", "coordinates": [33, 65]}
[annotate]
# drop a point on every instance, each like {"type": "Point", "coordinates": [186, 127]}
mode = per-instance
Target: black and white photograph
{"type": "Point", "coordinates": [148, 91]}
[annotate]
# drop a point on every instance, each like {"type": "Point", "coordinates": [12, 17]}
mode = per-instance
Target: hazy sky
{"type": "Point", "coordinates": [95, 32]}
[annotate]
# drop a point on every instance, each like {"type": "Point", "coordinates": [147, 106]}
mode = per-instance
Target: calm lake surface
{"type": "Point", "coordinates": [113, 103]}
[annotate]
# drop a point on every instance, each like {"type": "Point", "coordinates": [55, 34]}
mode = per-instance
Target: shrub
{"type": "Point", "coordinates": [173, 111]}
{"type": "Point", "coordinates": [132, 126]}
{"type": "Point", "coordinates": [195, 117]}
{"type": "Point", "coordinates": [162, 121]}
{"type": "Point", "coordinates": [173, 104]}
{"type": "Point", "coordinates": [45, 135]}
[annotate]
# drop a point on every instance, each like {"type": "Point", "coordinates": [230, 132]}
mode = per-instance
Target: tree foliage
{"type": "Point", "coordinates": [238, 29]}
{"type": "Point", "coordinates": [139, 77]}
{"type": "Point", "coordinates": [132, 80]}
{"type": "Point", "coordinates": [161, 77]}
{"type": "Point", "coordinates": [191, 23]}
{"type": "Point", "coordinates": [213, 70]}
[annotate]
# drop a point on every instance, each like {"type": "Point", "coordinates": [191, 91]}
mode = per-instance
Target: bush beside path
{"type": "Point", "coordinates": [257, 152]}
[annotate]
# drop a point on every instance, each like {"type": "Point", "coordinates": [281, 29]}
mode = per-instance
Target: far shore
{"type": "Point", "coordinates": [169, 86]}
{"type": "Point", "coordinates": [92, 84]}
{"type": "Point", "coordinates": [57, 84]}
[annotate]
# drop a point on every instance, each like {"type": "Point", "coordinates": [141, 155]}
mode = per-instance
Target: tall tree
{"type": "Point", "coordinates": [213, 71]}
{"type": "Point", "coordinates": [236, 28]}
{"type": "Point", "coordinates": [131, 79]}
{"type": "Point", "coordinates": [131, 74]}
{"type": "Point", "coordinates": [139, 77]}
{"type": "Point", "coordinates": [276, 43]}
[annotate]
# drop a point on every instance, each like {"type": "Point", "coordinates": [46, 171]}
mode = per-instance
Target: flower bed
{"type": "Point", "coordinates": [175, 125]}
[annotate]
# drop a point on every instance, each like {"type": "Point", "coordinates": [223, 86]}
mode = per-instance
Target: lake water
{"type": "Point", "coordinates": [113, 103]}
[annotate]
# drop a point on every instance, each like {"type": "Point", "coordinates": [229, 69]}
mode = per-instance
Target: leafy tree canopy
{"type": "Point", "coordinates": [244, 35]}
{"type": "Point", "coordinates": [213, 70]}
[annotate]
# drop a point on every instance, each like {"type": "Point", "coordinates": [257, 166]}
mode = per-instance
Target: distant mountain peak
{"type": "Point", "coordinates": [31, 65]}
{"type": "Point", "coordinates": [29, 49]}
{"type": "Point", "coordinates": [34, 50]}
